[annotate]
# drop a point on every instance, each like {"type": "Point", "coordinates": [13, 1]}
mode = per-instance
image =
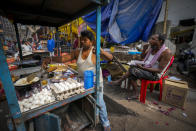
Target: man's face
{"type": "Point", "coordinates": [86, 42]}
{"type": "Point", "coordinates": [154, 42]}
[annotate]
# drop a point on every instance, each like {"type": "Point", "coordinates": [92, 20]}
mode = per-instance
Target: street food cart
{"type": "Point", "coordinates": [45, 13]}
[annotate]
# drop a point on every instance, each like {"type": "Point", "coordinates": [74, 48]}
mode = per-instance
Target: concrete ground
{"type": "Point", "coordinates": [145, 117]}
{"type": "Point", "coordinates": [132, 115]}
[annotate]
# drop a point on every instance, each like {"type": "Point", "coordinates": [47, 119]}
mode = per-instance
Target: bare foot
{"type": "Point", "coordinates": [132, 96]}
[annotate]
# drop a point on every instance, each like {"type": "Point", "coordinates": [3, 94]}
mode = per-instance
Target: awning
{"type": "Point", "coordinates": [47, 12]}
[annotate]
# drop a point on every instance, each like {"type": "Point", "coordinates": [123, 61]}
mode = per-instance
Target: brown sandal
{"type": "Point", "coordinates": [133, 98]}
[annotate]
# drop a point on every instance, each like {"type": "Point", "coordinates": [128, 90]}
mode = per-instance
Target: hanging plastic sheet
{"type": "Point", "coordinates": [106, 11]}
{"type": "Point", "coordinates": [127, 21]}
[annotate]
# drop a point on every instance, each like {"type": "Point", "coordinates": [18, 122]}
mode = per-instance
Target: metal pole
{"type": "Point", "coordinates": [78, 35]}
{"type": "Point", "coordinates": [10, 90]}
{"type": "Point", "coordinates": [165, 18]}
{"type": "Point", "coordinates": [71, 33]}
{"type": "Point", "coordinates": [18, 41]}
{"type": "Point", "coordinates": [98, 43]}
{"type": "Point", "coordinates": [57, 41]}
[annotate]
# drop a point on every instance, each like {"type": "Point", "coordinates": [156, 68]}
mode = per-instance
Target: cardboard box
{"type": "Point", "coordinates": [175, 92]}
{"type": "Point", "coordinates": [57, 59]}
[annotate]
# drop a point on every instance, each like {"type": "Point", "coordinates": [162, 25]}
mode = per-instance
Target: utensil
{"type": "Point", "coordinates": [31, 77]}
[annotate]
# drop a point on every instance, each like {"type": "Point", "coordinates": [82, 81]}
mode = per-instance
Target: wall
{"type": "Point", "coordinates": [193, 46]}
{"type": "Point", "coordinates": [178, 10]}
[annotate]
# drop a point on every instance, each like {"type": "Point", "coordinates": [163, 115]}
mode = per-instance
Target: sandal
{"type": "Point", "coordinates": [133, 98]}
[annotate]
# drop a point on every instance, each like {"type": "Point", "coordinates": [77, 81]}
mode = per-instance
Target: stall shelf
{"type": "Point", "coordinates": [52, 106]}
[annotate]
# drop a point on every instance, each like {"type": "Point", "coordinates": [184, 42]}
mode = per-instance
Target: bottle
{"type": "Point", "coordinates": [109, 78]}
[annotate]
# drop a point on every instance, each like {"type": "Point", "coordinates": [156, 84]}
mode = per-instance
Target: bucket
{"type": "Point", "coordinates": [88, 79]}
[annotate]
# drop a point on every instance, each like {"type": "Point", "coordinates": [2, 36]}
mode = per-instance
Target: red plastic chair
{"type": "Point", "coordinates": [144, 83]}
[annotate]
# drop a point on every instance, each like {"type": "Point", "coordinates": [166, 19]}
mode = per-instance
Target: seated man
{"type": "Point", "coordinates": [157, 56]}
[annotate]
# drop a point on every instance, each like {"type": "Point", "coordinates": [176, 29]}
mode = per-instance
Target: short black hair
{"type": "Point", "coordinates": [88, 34]}
{"type": "Point", "coordinates": [162, 37]}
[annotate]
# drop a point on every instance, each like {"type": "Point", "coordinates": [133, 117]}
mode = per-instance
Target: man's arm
{"type": "Point", "coordinates": [165, 59]}
{"type": "Point", "coordinates": [150, 69]}
{"type": "Point", "coordinates": [105, 54]}
{"type": "Point", "coordinates": [73, 55]}
{"type": "Point", "coordinates": [144, 51]}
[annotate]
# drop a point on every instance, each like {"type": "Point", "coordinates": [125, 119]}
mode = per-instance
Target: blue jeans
{"type": "Point", "coordinates": [103, 111]}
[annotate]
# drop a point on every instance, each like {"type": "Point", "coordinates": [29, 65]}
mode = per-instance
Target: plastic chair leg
{"type": "Point", "coordinates": [161, 89]}
{"type": "Point", "coordinates": [143, 91]}
{"type": "Point", "coordinates": [151, 87]}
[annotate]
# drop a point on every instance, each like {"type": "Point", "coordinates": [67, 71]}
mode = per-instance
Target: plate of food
{"type": "Point", "coordinates": [24, 82]}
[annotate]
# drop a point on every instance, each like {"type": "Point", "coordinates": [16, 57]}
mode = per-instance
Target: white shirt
{"type": "Point", "coordinates": [26, 48]}
{"type": "Point", "coordinates": [156, 64]}
{"type": "Point", "coordinates": [87, 64]}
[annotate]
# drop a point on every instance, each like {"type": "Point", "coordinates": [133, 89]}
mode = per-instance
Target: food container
{"type": "Point", "coordinates": [23, 90]}
{"type": "Point", "coordinates": [73, 66]}
{"type": "Point", "coordinates": [88, 79]}
{"type": "Point", "coordinates": [10, 60]}
{"type": "Point", "coordinates": [12, 67]}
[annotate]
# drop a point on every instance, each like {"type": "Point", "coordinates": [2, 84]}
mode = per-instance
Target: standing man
{"type": "Point", "coordinates": [86, 60]}
{"type": "Point", "coordinates": [76, 42]}
{"type": "Point", "coordinates": [50, 45]}
{"type": "Point", "coordinates": [26, 47]}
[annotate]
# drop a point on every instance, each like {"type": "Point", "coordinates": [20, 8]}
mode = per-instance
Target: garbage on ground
{"type": "Point", "coordinates": [164, 110]}
{"type": "Point", "coordinates": [171, 109]}
{"type": "Point", "coordinates": [166, 124]}
{"type": "Point", "coordinates": [184, 114]}
{"type": "Point", "coordinates": [174, 78]}
{"type": "Point", "coordinates": [155, 103]}
{"type": "Point", "coordinates": [150, 106]}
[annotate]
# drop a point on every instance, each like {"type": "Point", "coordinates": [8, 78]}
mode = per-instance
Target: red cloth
{"type": "Point", "coordinates": [75, 43]}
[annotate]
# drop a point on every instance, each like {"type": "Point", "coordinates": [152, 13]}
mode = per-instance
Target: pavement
{"type": "Point", "coordinates": [154, 115]}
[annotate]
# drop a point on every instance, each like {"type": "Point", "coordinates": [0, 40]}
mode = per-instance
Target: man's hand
{"type": "Point", "coordinates": [45, 63]}
{"type": "Point", "coordinates": [140, 66]}
{"type": "Point", "coordinates": [94, 50]}
{"type": "Point", "coordinates": [101, 50]}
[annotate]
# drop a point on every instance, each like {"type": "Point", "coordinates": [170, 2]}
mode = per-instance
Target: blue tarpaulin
{"type": "Point", "coordinates": [127, 21]}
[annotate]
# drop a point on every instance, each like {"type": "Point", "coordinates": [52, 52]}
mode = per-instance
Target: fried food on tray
{"type": "Point", "coordinates": [50, 69]}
